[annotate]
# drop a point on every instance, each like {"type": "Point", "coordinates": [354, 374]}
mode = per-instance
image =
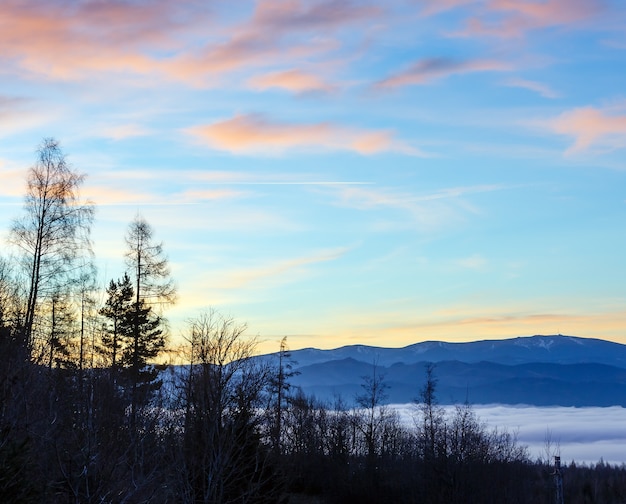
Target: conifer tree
{"type": "Point", "coordinates": [148, 267]}
{"type": "Point", "coordinates": [117, 309]}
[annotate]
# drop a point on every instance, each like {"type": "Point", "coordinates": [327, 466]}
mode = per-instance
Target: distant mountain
{"type": "Point", "coordinates": [535, 370]}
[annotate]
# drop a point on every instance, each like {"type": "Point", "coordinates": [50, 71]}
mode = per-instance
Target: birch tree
{"type": "Point", "coordinates": [54, 229]}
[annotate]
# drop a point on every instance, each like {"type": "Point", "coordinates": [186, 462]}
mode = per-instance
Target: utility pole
{"type": "Point", "coordinates": [558, 480]}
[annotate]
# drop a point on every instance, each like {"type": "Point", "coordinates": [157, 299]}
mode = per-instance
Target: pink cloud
{"type": "Point", "coordinates": [427, 70]}
{"type": "Point", "coordinates": [591, 127]}
{"type": "Point", "coordinates": [176, 40]}
{"type": "Point", "coordinates": [294, 81]}
{"type": "Point", "coordinates": [254, 133]}
{"type": "Point", "coordinates": [432, 7]}
{"type": "Point", "coordinates": [514, 18]}
{"type": "Point", "coordinates": [278, 32]}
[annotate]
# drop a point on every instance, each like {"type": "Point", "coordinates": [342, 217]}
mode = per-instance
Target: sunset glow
{"type": "Point", "coordinates": [341, 172]}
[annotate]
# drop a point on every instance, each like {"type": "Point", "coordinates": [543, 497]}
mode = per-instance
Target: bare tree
{"type": "Point", "coordinates": [54, 229]}
{"type": "Point", "coordinates": [223, 459]}
{"type": "Point", "coordinates": [373, 411]}
{"type": "Point", "coordinates": [432, 432]}
{"type": "Point", "coordinates": [11, 309]}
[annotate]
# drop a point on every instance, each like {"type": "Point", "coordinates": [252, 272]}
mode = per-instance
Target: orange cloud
{"type": "Point", "coordinates": [71, 40]}
{"type": "Point", "coordinates": [294, 81]}
{"type": "Point", "coordinates": [254, 133]}
{"type": "Point", "coordinates": [427, 70]}
{"type": "Point", "coordinates": [13, 181]}
{"type": "Point", "coordinates": [467, 324]}
{"type": "Point", "coordinates": [591, 127]}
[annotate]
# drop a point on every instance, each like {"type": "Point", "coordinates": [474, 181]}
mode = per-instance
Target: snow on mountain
{"type": "Point", "coordinates": [557, 349]}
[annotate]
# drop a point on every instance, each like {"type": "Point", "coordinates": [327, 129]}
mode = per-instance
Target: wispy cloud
{"type": "Point", "coordinates": [243, 283]}
{"type": "Point", "coordinates": [537, 87]}
{"type": "Point", "coordinates": [13, 181]}
{"type": "Point", "coordinates": [294, 81]}
{"type": "Point", "coordinates": [278, 32]}
{"type": "Point", "coordinates": [427, 70]}
{"type": "Point", "coordinates": [124, 131]}
{"type": "Point", "coordinates": [432, 7]}
{"type": "Point", "coordinates": [194, 195]}
{"type": "Point", "coordinates": [427, 211]}
{"type": "Point", "coordinates": [474, 262]}
{"type": "Point", "coordinates": [278, 271]}
{"type": "Point", "coordinates": [514, 18]}
{"type": "Point", "coordinates": [18, 113]}
{"type": "Point", "coordinates": [107, 195]}
{"type": "Point", "coordinates": [186, 41]}
{"type": "Point", "coordinates": [591, 127]}
{"type": "Point", "coordinates": [256, 134]}
{"type": "Point", "coordinates": [90, 37]}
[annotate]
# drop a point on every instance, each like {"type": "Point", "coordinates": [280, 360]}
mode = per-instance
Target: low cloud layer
{"type": "Point", "coordinates": [583, 435]}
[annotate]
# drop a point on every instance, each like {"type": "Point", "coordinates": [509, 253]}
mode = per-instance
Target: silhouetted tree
{"type": "Point", "coordinates": [148, 267]}
{"type": "Point", "coordinates": [54, 229]}
{"type": "Point", "coordinates": [223, 459]}
{"type": "Point", "coordinates": [280, 388]}
{"type": "Point", "coordinates": [117, 310]}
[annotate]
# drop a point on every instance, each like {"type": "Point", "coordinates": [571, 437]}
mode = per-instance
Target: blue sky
{"type": "Point", "coordinates": [342, 172]}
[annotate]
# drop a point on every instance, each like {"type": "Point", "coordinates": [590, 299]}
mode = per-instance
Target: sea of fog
{"type": "Point", "coordinates": [583, 435]}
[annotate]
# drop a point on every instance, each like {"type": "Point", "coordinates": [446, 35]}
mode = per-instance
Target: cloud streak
{"type": "Point", "coordinates": [537, 87]}
{"type": "Point", "coordinates": [293, 81]}
{"type": "Point", "coordinates": [256, 134]}
{"type": "Point", "coordinates": [279, 271]}
{"type": "Point", "coordinates": [515, 18]}
{"type": "Point", "coordinates": [428, 70]}
{"type": "Point", "coordinates": [427, 211]}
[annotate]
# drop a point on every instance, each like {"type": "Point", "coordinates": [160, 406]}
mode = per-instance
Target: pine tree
{"type": "Point", "coordinates": [118, 328]}
{"type": "Point", "coordinates": [144, 342]}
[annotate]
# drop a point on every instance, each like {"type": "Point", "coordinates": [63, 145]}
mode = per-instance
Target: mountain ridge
{"type": "Point", "coordinates": [538, 348]}
{"type": "Point", "coordinates": [553, 370]}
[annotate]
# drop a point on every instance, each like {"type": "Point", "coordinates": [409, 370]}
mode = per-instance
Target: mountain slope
{"type": "Point", "coordinates": [536, 370]}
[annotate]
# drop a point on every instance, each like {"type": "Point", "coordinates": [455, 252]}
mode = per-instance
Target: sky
{"type": "Point", "coordinates": [341, 172]}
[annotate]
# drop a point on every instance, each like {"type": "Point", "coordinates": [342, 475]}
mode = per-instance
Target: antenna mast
{"type": "Point", "coordinates": [558, 480]}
